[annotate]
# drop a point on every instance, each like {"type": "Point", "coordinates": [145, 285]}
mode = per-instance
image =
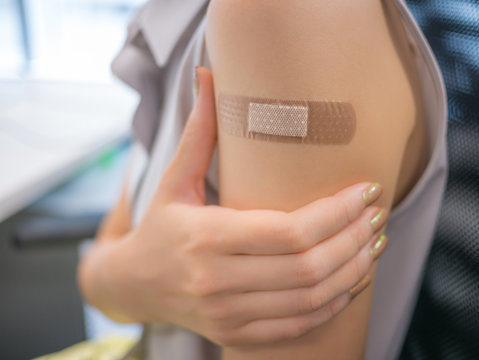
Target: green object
{"type": "Point", "coordinates": [107, 158]}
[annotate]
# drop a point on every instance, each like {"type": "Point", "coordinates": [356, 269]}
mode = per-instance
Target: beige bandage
{"type": "Point", "coordinates": [293, 121]}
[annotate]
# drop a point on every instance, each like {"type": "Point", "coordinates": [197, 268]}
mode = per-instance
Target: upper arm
{"type": "Point", "coordinates": [317, 51]}
{"type": "Point", "coordinates": [289, 50]}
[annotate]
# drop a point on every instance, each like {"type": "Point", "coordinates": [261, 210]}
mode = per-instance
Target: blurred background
{"type": "Point", "coordinates": [64, 145]}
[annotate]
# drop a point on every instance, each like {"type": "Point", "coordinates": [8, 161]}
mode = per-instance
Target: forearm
{"type": "Point", "coordinates": [117, 222]}
{"type": "Point", "coordinates": [98, 270]}
{"type": "Point", "coordinates": [97, 274]}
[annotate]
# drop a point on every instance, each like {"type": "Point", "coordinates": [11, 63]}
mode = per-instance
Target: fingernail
{"type": "Point", "coordinates": [372, 193]}
{"type": "Point", "coordinates": [197, 81]}
{"type": "Point", "coordinates": [378, 246]}
{"type": "Point", "coordinates": [379, 220]}
{"type": "Point", "coordinates": [360, 286]}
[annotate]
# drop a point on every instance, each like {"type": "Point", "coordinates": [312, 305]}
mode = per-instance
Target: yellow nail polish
{"type": "Point", "coordinates": [378, 220]}
{"type": "Point", "coordinates": [378, 247]}
{"type": "Point", "coordinates": [372, 193]}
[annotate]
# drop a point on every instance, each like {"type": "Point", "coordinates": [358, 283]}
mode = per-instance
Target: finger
{"type": "Point", "coordinates": [252, 305]}
{"type": "Point", "coordinates": [260, 273]}
{"type": "Point", "coordinates": [268, 232]}
{"type": "Point", "coordinates": [183, 180]}
{"type": "Point", "coordinates": [337, 211]}
{"type": "Point", "coordinates": [271, 330]}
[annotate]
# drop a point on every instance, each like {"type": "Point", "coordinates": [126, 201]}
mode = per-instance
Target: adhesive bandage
{"type": "Point", "coordinates": [293, 121]}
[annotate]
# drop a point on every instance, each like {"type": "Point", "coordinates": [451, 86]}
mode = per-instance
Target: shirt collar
{"type": "Point", "coordinates": [163, 22]}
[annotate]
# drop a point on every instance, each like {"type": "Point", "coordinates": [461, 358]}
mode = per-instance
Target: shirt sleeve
{"type": "Point", "coordinates": [153, 34]}
{"type": "Point", "coordinates": [136, 67]}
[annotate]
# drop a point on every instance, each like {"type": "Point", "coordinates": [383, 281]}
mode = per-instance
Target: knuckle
{"type": "Point", "coordinates": [305, 301]}
{"type": "Point", "coordinates": [318, 298]}
{"type": "Point", "coordinates": [356, 234]}
{"type": "Point", "coordinates": [338, 305]}
{"type": "Point", "coordinates": [199, 238]}
{"type": "Point", "coordinates": [347, 211]}
{"type": "Point", "coordinates": [357, 268]}
{"type": "Point", "coordinates": [365, 263]}
{"type": "Point", "coordinates": [214, 311]}
{"type": "Point", "coordinates": [287, 230]}
{"type": "Point", "coordinates": [224, 338]}
{"type": "Point", "coordinates": [191, 128]}
{"type": "Point", "coordinates": [202, 284]}
{"type": "Point", "coordinates": [299, 239]}
{"type": "Point", "coordinates": [297, 234]}
{"type": "Point", "coordinates": [308, 270]}
{"type": "Point", "coordinates": [329, 309]}
{"type": "Point", "coordinates": [298, 328]}
{"type": "Point", "coordinates": [366, 230]}
{"type": "Point", "coordinates": [311, 299]}
{"type": "Point", "coordinates": [364, 233]}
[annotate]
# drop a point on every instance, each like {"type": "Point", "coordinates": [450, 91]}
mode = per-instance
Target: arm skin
{"type": "Point", "coordinates": [317, 50]}
{"type": "Point", "coordinates": [114, 227]}
{"type": "Point", "coordinates": [117, 222]}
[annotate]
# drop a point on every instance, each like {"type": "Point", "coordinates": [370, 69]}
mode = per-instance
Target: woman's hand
{"type": "Point", "coordinates": [236, 277]}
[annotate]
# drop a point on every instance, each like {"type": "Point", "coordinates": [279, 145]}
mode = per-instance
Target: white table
{"type": "Point", "coordinates": [48, 131]}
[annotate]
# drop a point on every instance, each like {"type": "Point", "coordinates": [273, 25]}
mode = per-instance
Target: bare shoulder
{"type": "Point", "coordinates": [334, 50]}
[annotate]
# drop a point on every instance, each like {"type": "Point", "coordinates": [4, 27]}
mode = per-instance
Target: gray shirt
{"type": "Point", "coordinates": [165, 41]}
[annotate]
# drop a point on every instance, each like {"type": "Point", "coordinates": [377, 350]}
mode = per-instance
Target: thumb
{"type": "Point", "coordinates": [183, 180]}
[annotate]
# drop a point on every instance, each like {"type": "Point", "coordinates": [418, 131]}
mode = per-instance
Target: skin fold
{"type": "Point", "coordinates": [336, 50]}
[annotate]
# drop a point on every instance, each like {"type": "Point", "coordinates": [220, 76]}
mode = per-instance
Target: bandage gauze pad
{"type": "Point", "coordinates": [293, 121]}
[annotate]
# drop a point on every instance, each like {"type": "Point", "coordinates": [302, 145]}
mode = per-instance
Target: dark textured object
{"type": "Point", "coordinates": [58, 230]}
{"type": "Point", "coordinates": [445, 324]}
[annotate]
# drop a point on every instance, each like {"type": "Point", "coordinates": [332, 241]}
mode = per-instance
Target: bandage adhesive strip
{"type": "Point", "coordinates": [291, 121]}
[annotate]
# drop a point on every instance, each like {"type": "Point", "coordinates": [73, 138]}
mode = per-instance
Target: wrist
{"type": "Point", "coordinates": [99, 279]}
